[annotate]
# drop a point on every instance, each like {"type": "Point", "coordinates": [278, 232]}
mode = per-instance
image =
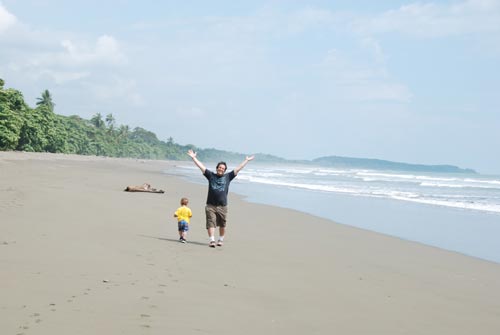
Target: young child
{"type": "Point", "coordinates": [183, 215]}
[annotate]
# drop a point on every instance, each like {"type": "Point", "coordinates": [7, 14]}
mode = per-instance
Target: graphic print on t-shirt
{"type": "Point", "coordinates": [218, 184]}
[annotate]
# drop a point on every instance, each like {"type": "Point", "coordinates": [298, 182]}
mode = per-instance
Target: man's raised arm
{"type": "Point", "coordinates": [199, 164]}
{"type": "Point", "coordinates": [242, 165]}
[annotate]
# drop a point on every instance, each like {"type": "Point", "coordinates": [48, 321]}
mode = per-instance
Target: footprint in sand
{"type": "Point", "coordinates": [32, 316]}
{"type": "Point", "coordinates": [10, 198]}
{"type": "Point", "coordinates": [143, 317]}
{"type": "Point", "coordinates": [36, 317]}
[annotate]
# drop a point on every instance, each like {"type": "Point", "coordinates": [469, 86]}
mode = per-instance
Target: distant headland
{"type": "Point", "coordinates": [378, 164]}
{"type": "Point", "coordinates": [335, 161]}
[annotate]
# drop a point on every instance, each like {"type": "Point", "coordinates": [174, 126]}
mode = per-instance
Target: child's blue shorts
{"type": "Point", "coordinates": [183, 225]}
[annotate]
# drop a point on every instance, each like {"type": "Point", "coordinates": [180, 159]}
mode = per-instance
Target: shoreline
{"type": "Point", "coordinates": [467, 232]}
{"type": "Point", "coordinates": [79, 255]}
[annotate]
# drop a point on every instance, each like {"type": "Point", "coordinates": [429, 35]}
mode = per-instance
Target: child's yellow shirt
{"type": "Point", "coordinates": [183, 213]}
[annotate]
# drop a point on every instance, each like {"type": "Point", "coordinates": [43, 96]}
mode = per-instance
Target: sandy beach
{"type": "Point", "coordinates": [78, 255]}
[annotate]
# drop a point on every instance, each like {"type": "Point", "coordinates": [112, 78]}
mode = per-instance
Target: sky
{"type": "Point", "coordinates": [407, 81]}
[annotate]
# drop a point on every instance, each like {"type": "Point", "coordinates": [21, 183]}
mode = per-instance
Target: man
{"type": "Point", "coordinates": [218, 187]}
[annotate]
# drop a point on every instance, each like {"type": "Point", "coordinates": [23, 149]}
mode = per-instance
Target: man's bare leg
{"type": "Point", "coordinates": [222, 231]}
{"type": "Point", "coordinates": [211, 235]}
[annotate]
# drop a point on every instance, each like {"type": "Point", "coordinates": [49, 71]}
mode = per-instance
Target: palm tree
{"type": "Point", "coordinates": [123, 131]}
{"type": "Point", "coordinates": [46, 100]}
{"type": "Point", "coordinates": [110, 120]}
{"type": "Point", "coordinates": [97, 121]}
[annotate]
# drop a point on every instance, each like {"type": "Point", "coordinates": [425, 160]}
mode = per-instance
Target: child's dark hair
{"type": "Point", "coordinates": [184, 201]}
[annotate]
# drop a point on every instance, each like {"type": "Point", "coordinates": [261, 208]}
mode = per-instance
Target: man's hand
{"type": "Point", "coordinates": [199, 164]}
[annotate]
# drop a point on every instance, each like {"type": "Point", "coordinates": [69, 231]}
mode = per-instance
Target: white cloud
{"type": "Point", "coordinates": [62, 60]}
{"type": "Point", "coordinates": [306, 19]}
{"type": "Point", "coordinates": [434, 20]}
{"type": "Point", "coordinates": [191, 112]}
{"type": "Point", "coordinates": [61, 77]}
{"type": "Point", "coordinates": [46, 57]}
{"type": "Point", "coordinates": [6, 19]}
{"type": "Point", "coordinates": [382, 91]}
{"type": "Point", "coordinates": [71, 60]}
{"type": "Point", "coordinates": [106, 50]}
{"type": "Point", "coordinates": [117, 89]}
{"type": "Point", "coordinates": [355, 81]}
{"type": "Point", "coordinates": [374, 47]}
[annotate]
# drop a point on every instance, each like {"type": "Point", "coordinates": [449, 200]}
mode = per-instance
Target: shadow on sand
{"type": "Point", "coordinates": [175, 240]}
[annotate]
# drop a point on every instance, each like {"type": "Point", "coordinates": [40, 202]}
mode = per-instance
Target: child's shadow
{"type": "Point", "coordinates": [174, 240]}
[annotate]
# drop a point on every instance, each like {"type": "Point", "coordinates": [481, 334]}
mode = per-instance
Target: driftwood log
{"type": "Point", "coordinates": [143, 188]}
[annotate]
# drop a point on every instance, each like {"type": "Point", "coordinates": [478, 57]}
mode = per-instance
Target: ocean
{"type": "Point", "coordinates": [456, 212]}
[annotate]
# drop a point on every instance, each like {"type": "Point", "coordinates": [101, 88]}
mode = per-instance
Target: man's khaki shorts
{"type": "Point", "coordinates": [216, 216]}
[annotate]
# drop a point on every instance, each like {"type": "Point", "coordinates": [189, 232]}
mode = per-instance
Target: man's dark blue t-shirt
{"type": "Point", "coordinates": [218, 187]}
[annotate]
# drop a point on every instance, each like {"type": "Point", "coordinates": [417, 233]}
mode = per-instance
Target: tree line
{"type": "Point", "coordinates": [39, 129]}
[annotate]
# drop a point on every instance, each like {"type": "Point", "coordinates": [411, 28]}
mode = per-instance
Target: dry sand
{"type": "Point", "coordinates": [80, 256]}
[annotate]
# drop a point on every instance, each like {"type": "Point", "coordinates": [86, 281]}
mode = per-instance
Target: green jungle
{"type": "Point", "coordinates": [39, 129]}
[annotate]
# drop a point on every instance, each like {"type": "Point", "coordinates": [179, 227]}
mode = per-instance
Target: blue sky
{"type": "Point", "coordinates": [405, 81]}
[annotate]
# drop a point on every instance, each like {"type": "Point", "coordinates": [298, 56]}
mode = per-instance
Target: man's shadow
{"type": "Point", "coordinates": [174, 240]}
